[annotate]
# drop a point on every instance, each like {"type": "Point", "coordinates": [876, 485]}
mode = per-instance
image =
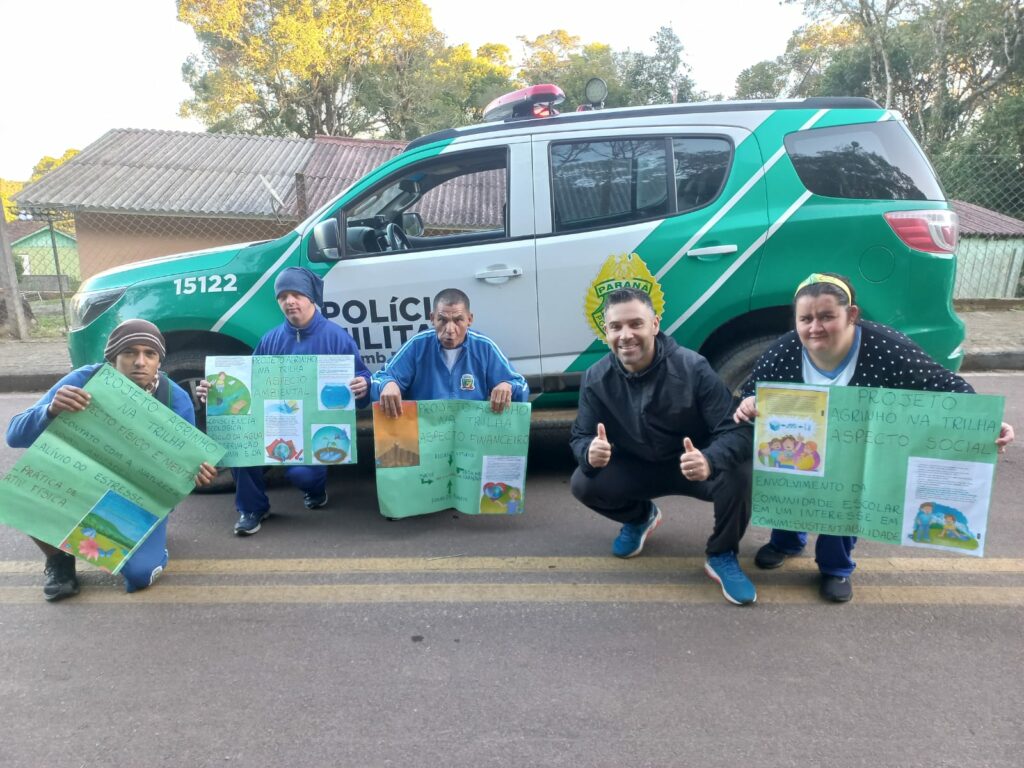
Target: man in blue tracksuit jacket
{"type": "Point", "coordinates": [136, 349]}
{"type": "Point", "coordinates": [305, 331]}
{"type": "Point", "coordinates": [450, 362]}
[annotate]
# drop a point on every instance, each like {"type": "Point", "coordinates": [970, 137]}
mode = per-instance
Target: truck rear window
{"type": "Point", "coordinates": [866, 161]}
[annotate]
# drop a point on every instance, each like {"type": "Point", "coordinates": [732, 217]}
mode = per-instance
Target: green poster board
{"type": "Point", "coordinates": [97, 481]}
{"type": "Point", "coordinates": [903, 467]}
{"type": "Point", "coordinates": [451, 453]}
{"type": "Point", "coordinates": [282, 409]}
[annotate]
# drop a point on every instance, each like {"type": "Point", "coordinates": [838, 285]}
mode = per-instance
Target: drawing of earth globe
{"type": "Point", "coordinates": [227, 396]}
{"type": "Point", "coordinates": [336, 396]}
{"type": "Point", "coordinates": [331, 445]}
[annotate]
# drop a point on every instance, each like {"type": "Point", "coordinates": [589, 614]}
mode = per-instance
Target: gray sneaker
{"type": "Point", "coordinates": [249, 522]}
{"type": "Point", "coordinates": [61, 580]}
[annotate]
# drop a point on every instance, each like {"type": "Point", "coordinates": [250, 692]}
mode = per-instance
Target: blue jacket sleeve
{"type": "Point", "coordinates": [400, 369]}
{"type": "Point", "coordinates": [28, 425]}
{"type": "Point", "coordinates": [499, 369]}
{"type": "Point", "coordinates": [181, 404]}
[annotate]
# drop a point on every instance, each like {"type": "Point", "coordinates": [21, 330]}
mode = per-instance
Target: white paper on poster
{"type": "Point", "coordinates": [333, 373]}
{"type": "Point", "coordinates": [946, 505]}
{"type": "Point", "coordinates": [282, 431]}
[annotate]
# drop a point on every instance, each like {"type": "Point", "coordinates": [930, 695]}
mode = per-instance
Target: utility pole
{"type": "Point", "coordinates": [9, 284]}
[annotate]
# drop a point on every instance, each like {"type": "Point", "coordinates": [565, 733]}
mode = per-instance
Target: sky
{"type": "Point", "coordinates": [74, 70]}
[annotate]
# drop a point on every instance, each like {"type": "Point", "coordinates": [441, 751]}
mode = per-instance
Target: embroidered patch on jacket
{"type": "Point", "coordinates": [468, 384]}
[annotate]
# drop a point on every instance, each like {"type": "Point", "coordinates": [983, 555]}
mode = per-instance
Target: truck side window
{"type": "Point", "coordinates": [701, 165]}
{"type": "Point", "coordinates": [446, 201]}
{"type": "Point", "coordinates": [472, 202]}
{"type": "Point", "coordinates": [608, 183]}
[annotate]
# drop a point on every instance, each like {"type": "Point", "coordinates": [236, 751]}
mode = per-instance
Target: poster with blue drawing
{"type": "Point", "coordinates": [282, 409]}
{"type": "Point", "coordinates": [946, 505]}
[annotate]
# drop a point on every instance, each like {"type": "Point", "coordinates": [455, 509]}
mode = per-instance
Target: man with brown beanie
{"type": "Point", "coordinates": [135, 348]}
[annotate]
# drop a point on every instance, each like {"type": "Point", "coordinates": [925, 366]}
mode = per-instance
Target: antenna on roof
{"type": "Point", "coordinates": [276, 203]}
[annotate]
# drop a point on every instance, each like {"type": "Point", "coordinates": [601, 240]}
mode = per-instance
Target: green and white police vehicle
{"type": "Point", "coordinates": [718, 210]}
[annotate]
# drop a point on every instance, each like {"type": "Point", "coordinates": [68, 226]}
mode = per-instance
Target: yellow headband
{"type": "Point", "coordinates": [817, 277]}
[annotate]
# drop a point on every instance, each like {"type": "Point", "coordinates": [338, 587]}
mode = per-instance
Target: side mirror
{"type": "Point", "coordinates": [412, 223]}
{"type": "Point", "coordinates": [325, 238]}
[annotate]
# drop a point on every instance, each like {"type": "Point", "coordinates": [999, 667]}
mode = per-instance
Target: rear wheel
{"type": "Point", "coordinates": [186, 368]}
{"type": "Point", "coordinates": [736, 362]}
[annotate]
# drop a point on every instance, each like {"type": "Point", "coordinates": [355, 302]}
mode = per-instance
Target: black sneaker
{"type": "Point", "coordinates": [838, 589]}
{"type": "Point", "coordinates": [769, 557]}
{"type": "Point", "coordinates": [61, 580]}
{"type": "Point", "coordinates": [315, 502]}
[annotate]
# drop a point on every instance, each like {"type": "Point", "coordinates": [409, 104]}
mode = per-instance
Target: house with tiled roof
{"type": "Point", "coordinates": [138, 194]}
{"type": "Point", "coordinates": [990, 256]}
{"type": "Point", "coordinates": [40, 258]}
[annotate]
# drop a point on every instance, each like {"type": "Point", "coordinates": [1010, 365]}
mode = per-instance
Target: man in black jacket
{"type": "Point", "coordinates": [654, 419]}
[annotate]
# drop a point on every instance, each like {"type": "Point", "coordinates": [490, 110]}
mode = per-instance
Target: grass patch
{"type": "Point", "coordinates": [48, 327]}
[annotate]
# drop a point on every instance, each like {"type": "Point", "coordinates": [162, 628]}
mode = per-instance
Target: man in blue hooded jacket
{"type": "Point", "coordinates": [305, 331]}
{"type": "Point", "coordinates": [450, 362]}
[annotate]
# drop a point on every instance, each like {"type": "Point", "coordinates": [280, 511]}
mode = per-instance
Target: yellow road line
{"type": "Point", "coordinates": [460, 564]}
{"type": "Point", "coordinates": [506, 593]}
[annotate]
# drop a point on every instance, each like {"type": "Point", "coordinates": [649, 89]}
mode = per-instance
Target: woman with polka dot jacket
{"type": "Point", "coordinates": [833, 346]}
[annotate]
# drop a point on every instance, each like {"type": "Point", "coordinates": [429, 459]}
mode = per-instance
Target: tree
{"type": "Point", "coordinates": [292, 67]}
{"type": "Point", "coordinates": [764, 80]}
{"type": "Point", "coordinates": [428, 86]}
{"type": "Point", "coordinates": [632, 77]}
{"type": "Point", "coordinates": [660, 78]}
{"type": "Point", "coordinates": [10, 188]}
{"type": "Point", "coordinates": [7, 190]}
{"type": "Point", "coordinates": [876, 20]}
{"type": "Point", "coordinates": [47, 164]}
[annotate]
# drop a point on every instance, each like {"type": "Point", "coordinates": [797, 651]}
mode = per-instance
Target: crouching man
{"type": "Point", "coordinates": [135, 348]}
{"type": "Point", "coordinates": [655, 420]}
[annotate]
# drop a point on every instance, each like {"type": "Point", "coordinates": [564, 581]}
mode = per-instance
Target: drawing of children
{"type": "Point", "coordinates": [923, 522]}
{"type": "Point", "coordinates": [949, 530]}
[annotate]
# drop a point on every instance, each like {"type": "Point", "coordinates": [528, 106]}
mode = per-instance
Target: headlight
{"type": "Point", "coordinates": [86, 306]}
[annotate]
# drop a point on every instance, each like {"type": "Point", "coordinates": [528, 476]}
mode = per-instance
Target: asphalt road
{"type": "Point", "coordinates": [338, 638]}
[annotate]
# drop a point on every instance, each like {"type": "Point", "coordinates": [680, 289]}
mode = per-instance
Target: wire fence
{"type": "Point", "coordinates": [987, 192]}
{"type": "Point", "coordinates": [55, 250]}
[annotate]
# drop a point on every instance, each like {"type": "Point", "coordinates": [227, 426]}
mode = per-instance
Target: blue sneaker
{"type": "Point", "coordinates": [736, 587]}
{"type": "Point", "coordinates": [249, 522]}
{"type": "Point", "coordinates": [631, 538]}
{"type": "Point", "coordinates": [315, 502]}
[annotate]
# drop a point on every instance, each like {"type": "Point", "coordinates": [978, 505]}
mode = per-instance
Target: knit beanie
{"type": "Point", "coordinates": [301, 280]}
{"type": "Point", "coordinates": [132, 332]}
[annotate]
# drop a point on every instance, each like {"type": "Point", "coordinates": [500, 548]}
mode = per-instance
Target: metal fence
{"type": "Point", "coordinates": [988, 193]}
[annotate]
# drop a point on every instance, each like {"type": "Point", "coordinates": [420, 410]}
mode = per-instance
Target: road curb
{"type": "Point", "coordinates": [995, 360]}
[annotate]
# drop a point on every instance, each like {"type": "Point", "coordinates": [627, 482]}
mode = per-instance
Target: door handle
{"type": "Point", "coordinates": [712, 250]}
{"type": "Point", "coordinates": [485, 274]}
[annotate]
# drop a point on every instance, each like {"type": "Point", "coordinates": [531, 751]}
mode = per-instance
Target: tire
{"type": "Point", "coordinates": [736, 362]}
{"type": "Point", "coordinates": [186, 368]}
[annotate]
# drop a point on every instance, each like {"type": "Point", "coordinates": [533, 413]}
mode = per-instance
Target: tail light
{"type": "Point", "coordinates": [928, 231]}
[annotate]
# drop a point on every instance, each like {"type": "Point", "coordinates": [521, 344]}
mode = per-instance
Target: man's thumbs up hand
{"type": "Point", "coordinates": [600, 451]}
{"type": "Point", "coordinates": [692, 463]}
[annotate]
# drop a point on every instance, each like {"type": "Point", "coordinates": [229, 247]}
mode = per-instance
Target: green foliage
{"type": "Point", "coordinates": [633, 78]}
{"type": "Point", "coordinates": [764, 80]}
{"type": "Point", "coordinates": [47, 164]}
{"type": "Point", "coordinates": [659, 78]}
{"type": "Point", "coordinates": [8, 189]}
{"type": "Point", "coordinates": [357, 67]}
